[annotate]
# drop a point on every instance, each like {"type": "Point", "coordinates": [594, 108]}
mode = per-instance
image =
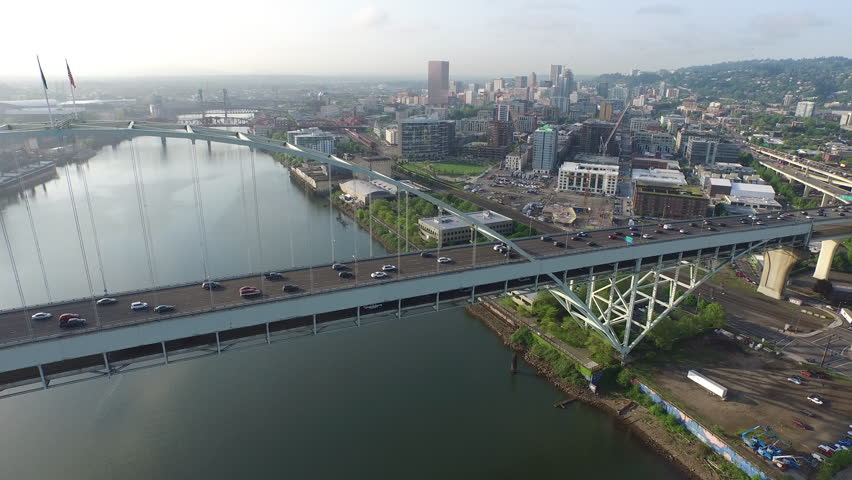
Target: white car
{"type": "Point", "coordinates": [378, 275]}
{"type": "Point", "coordinates": [388, 268]}
{"type": "Point", "coordinates": [816, 399]}
{"type": "Point", "coordinates": [647, 235]}
{"type": "Point", "coordinates": [445, 260]}
{"type": "Point", "coordinates": [136, 306]}
{"type": "Point", "coordinates": [106, 301]}
{"type": "Point", "coordinates": [372, 306]}
{"type": "Point", "coordinates": [41, 316]}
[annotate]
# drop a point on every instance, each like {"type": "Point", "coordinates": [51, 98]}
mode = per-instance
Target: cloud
{"type": "Point", "coordinates": [661, 9]}
{"type": "Point", "coordinates": [785, 25]}
{"type": "Point", "coordinates": [370, 17]}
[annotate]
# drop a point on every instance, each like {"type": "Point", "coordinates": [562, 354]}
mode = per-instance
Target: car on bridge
{"type": "Point", "coordinates": [290, 288]}
{"type": "Point", "coordinates": [165, 308]}
{"type": "Point", "coordinates": [73, 322]}
{"type": "Point", "coordinates": [249, 291]}
{"type": "Point", "coordinates": [388, 268]}
{"type": "Point", "coordinates": [429, 255]}
{"type": "Point", "coordinates": [445, 260]}
{"type": "Point", "coordinates": [138, 306]}
{"type": "Point", "coordinates": [41, 316]}
{"type": "Point", "coordinates": [795, 379]}
{"type": "Point", "coordinates": [816, 399]}
{"type": "Point", "coordinates": [106, 301]}
{"type": "Point", "coordinates": [273, 276]}
{"type": "Point", "coordinates": [338, 266]}
{"type": "Point", "coordinates": [378, 275]}
{"type": "Point", "coordinates": [211, 285]}
{"type": "Point", "coordinates": [345, 274]}
{"type": "Point", "coordinates": [647, 235]}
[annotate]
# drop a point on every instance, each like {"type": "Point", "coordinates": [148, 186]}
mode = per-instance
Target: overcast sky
{"type": "Point", "coordinates": [485, 38]}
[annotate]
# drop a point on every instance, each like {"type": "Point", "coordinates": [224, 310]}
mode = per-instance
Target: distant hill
{"type": "Point", "coordinates": [827, 79]}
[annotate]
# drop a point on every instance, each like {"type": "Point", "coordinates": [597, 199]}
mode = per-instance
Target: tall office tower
{"type": "Point", "coordinates": [603, 89]}
{"type": "Point", "coordinates": [565, 83]}
{"type": "Point", "coordinates": [456, 87]}
{"type": "Point", "coordinates": [499, 84]}
{"type": "Point", "coordinates": [555, 72]}
{"type": "Point", "coordinates": [520, 81]}
{"type": "Point", "coordinates": [489, 86]}
{"type": "Point", "coordinates": [533, 80]}
{"type": "Point", "coordinates": [605, 109]}
{"type": "Point", "coordinates": [439, 82]}
{"type": "Point", "coordinates": [546, 142]}
{"type": "Point", "coordinates": [501, 112]}
{"type": "Point", "coordinates": [499, 133]}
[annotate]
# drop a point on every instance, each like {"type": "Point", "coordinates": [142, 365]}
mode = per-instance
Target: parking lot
{"type": "Point", "coordinates": [759, 394]}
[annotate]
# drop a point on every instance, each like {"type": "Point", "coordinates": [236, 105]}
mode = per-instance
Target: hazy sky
{"type": "Point", "coordinates": [398, 37]}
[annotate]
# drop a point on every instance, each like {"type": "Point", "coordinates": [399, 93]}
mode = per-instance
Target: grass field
{"type": "Point", "coordinates": [457, 169]}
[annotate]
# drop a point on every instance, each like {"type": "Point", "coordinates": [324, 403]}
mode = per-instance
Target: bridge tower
{"type": "Point", "coordinates": [225, 102]}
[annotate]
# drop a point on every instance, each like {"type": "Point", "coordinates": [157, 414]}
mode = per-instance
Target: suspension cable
{"type": "Point", "coordinates": [288, 220]}
{"type": "Point", "coordinates": [94, 228]}
{"type": "Point", "coordinates": [82, 245]}
{"type": "Point", "coordinates": [199, 213]}
{"type": "Point", "coordinates": [140, 201]}
{"type": "Point", "coordinates": [14, 266]}
{"type": "Point", "coordinates": [245, 210]}
{"type": "Point", "coordinates": [330, 214]}
{"type": "Point", "coordinates": [257, 215]}
{"type": "Point", "coordinates": [33, 229]}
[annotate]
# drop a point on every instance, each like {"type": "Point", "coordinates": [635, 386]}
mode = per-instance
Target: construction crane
{"type": "Point", "coordinates": [605, 144]}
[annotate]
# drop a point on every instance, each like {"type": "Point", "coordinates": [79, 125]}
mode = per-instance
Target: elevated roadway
{"type": "Point", "coordinates": [816, 170]}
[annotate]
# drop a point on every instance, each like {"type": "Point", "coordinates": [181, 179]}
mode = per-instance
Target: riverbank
{"type": "Point", "coordinates": [688, 456]}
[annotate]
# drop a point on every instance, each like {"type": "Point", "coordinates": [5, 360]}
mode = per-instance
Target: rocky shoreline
{"type": "Point", "coordinates": [688, 458]}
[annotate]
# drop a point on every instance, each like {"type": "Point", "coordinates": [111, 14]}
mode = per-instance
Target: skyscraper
{"type": "Point", "coordinates": [520, 81]}
{"type": "Point", "coordinates": [546, 141]}
{"type": "Point", "coordinates": [555, 72]}
{"type": "Point", "coordinates": [439, 82]}
{"type": "Point", "coordinates": [533, 80]}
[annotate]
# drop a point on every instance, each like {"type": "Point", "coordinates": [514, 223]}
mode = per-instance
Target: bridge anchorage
{"type": "Point", "coordinates": [624, 302]}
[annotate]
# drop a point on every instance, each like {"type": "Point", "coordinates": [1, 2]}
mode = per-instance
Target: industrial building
{"type": "Point", "coordinates": [717, 187]}
{"type": "Point", "coordinates": [588, 177]}
{"type": "Point", "coordinates": [676, 202]}
{"type": "Point", "coordinates": [451, 230]}
{"type": "Point", "coordinates": [364, 192]}
{"type": "Point", "coordinates": [659, 176]}
{"type": "Point", "coordinates": [426, 138]}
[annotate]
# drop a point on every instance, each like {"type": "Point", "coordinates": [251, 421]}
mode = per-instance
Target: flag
{"type": "Point", "coordinates": [70, 77]}
{"type": "Point", "coordinates": [43, 80]}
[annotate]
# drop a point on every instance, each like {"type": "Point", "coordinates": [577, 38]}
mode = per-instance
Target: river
{"type": "Point", "coordinates": [423, 397]}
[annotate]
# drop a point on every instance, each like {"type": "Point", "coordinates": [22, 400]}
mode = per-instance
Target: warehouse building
{"type": "Point", "coordinates": [451, 230]}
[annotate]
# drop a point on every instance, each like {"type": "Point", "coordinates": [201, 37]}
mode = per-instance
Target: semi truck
{"type": "Point", "coordinates": [713, 387]}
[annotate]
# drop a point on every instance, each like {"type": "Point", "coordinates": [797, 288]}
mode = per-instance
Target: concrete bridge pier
{"type": "Point", "coordinates": [776, 266]}
{"type": "Point", "coordinates": [163, 141]}
{"type": "Point", "coordinates": [806, 192]}
{"type": "Point", "coordinates": [826, 254]}
{"type": "Point", "coordinates": [825, 200]}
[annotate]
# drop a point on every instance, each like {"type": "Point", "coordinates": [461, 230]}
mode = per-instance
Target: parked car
{"type": "Point", "coordinates": [807, 373]}
{"type": "Point", "coordinates": [106, 301]}
{"type": "Point", "coordinates": [164, 308]}
{"type": "Point", "coordinates": [378, 275]}
{"type": "Point", "coordinates": [445, 260]}
{"type": "Point", "coordinates": [273, 276]}
{"type": "Point", "coordinates": [800, 424]}
{"type": "Point", "coordinates": [818, 457]}
{"type": "Point", "coordinates": [138, 306]}
{"type": "Point", "coordinates": [816, 399]}
{"type": "Point", "coordinates": [825, 450]}
{"type": "Point", "coordinates": [248, 291]}
{"type": "Point", "coordinates": [388, 268]}
{"type": "Point", "coordinates": [41, 316]}
{"type": "Point", "coordinates": [211, 285]}
{"type": "Point", "coordinates": [372, 306]}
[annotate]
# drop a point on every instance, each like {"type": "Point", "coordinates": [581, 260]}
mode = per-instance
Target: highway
{"type": "Point", "coordinates": [191, 298]}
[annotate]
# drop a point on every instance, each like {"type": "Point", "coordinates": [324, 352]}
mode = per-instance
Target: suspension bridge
{"type": "Point", "coordinates": [632, 286]}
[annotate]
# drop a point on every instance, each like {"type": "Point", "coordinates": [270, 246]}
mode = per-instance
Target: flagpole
{"type": "Point", "coordinates": [44, 88]}
{"type": "Point", "coordinates": [73, 87]}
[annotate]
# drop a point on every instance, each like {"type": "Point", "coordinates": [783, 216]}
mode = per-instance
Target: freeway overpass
{"type": "Point", "coordinates": [621, 277]}
{"type": "Point", "coordinates": [829, 190]}
{"type": "Point", "coordinates": [819, 171]}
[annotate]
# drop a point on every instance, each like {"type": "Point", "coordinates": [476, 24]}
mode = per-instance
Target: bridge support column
{"type": "Point", "coordinates": [825, 200]}
{"type": "Point", "coordinates": [358, 316]}
{"type": "Point", "coordinates": [473, 294]}
{"type": "Point", "coordinates": [806, 192]}
{"type": "Point", "coordinates": [438, 301]}
{"type": "Point", "coordinates": [43, 379]}
{"type": "Point", "coordinates": [315, 323]}
{"type": "Point", "coordinates": [776, 265]}
{"type": "Point", "coordinates": [163, 140]}
{"type": "Point", "coordinates": [399, 308]}
{"type": "Point", "coordinates": [165, 353]}
{"type": "Point", "coordinates": [826, 254]}
{"type": "Point", "coordinates": [106, 364]}
{"type": "Point", "coordinates": [218, 345]}
{"type": "Point", "coordinates": [267, 334]}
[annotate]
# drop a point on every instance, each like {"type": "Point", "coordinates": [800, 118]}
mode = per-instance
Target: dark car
{"type": "Point", "coordinates": [576, 238]}
{"type": "Point", "coordinates": [545, 239]}
{"type": "Point", "coordinates": [345, 274]}
{"type": "Point", "coordinates": [722, 224]}
{"type": "Point", "coordinates": [611, 237]}
{"type": "Point", "coordinates": [658, 231]}
{"type": "Point", "coordinates": [165, 308]}
{"type": "Point", "coordinates": [211, 285]}
{"type": "Point", "coordinates": [693, 225]}
{"type": "Point", "coordinates": [425, 254]}
{"type": "Point", "coordinates": [290, 288]}
{"type": "Point", "coordinates": [592, 244]}
{"type": "Point", "coordinates": [73, 323]}
{"type": "Point", "coordinates": [559, 244]}
{"type": "Point", "coordinates": [273, 276]}
{"type": "Point", "coordinates": [338, 266]}
{"type": "Point", "coordinates": [711, 229]}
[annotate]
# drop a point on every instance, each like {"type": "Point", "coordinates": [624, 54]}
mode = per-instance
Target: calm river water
{"type": "Point", "coordinates": [424, 397]}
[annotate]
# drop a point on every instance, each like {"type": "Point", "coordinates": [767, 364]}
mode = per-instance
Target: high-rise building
{"type": "Point", "coordinates": [565, 83]}
{"type": "Point", "coordinates": [520, 81]}
{"type": "Point", "coordinates": [499, 133]}
{"type": "Point", "coordinates": [587, 177]}
{"type": "Point", "coordinates": [603, 89]}
{"type": "Point", "coordinates": [619, 93]}
{"type": "Point", "coordinates": [555, 72]}
{"type": "Point", "coordinates": [533, 80]}
{"type": "Point", "coordinates": [788, 99]}
{"type": "Point", "coordinates": [426, 138]}
{"type": "Point", "coordinates": [701, 151]}
{"type": "Point", "coordinates": [605, 109]}
{"type": "Point", "coordinates": [593, 134]}
{"type": "Point", "coordinates": [439, 82]}
{"type": "Point", "coordinates": [546, 142]}
{"type": "Point", "coordinates": [312, 138]}
{"type": "Point", "coordinates": [499, 84]}
{"type": "Point", "coordinates": [805, 109]}
{"type": "Point", "coordinates": [501, 112]}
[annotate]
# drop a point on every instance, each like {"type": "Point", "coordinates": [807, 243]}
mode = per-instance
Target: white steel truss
{"type": "Point", "coordinates": [624, 303]}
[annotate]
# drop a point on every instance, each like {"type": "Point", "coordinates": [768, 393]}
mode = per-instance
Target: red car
{"type": "Point", "coordinates": [807, 373]}
{"type": "Point", "coordinates": [248, 291]}
{"type": "Point", "coordinates": [63, 319]}
{"type": "Point", "coordinates": [801, 424]}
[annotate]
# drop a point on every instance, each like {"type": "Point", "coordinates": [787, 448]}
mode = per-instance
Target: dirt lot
{"type": "Point", "coordinates": [759, 393]}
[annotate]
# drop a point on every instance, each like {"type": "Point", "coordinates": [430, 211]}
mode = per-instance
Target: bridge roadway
{"type": "Point", "coordinates": [829, 174]}
{"type": "Point", "coordinates": [830, 189]}
{"type": "Point", "coordinates": [191, 298]}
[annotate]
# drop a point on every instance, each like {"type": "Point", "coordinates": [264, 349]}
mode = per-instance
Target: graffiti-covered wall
{"type": "Point", "coordinates": [705, 435]}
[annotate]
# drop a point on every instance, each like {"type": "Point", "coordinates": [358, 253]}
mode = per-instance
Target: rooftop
{"type": "Point", "coordinates": [449, 222]}
{"type": "Point", "coordinates": [692, 191]}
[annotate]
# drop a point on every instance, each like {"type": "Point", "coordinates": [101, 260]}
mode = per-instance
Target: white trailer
{"type": "Point", "coordinates": [710, 385]}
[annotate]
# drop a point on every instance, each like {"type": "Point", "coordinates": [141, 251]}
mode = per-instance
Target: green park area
{"type": "Point", "coordinates": [444, 168]}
